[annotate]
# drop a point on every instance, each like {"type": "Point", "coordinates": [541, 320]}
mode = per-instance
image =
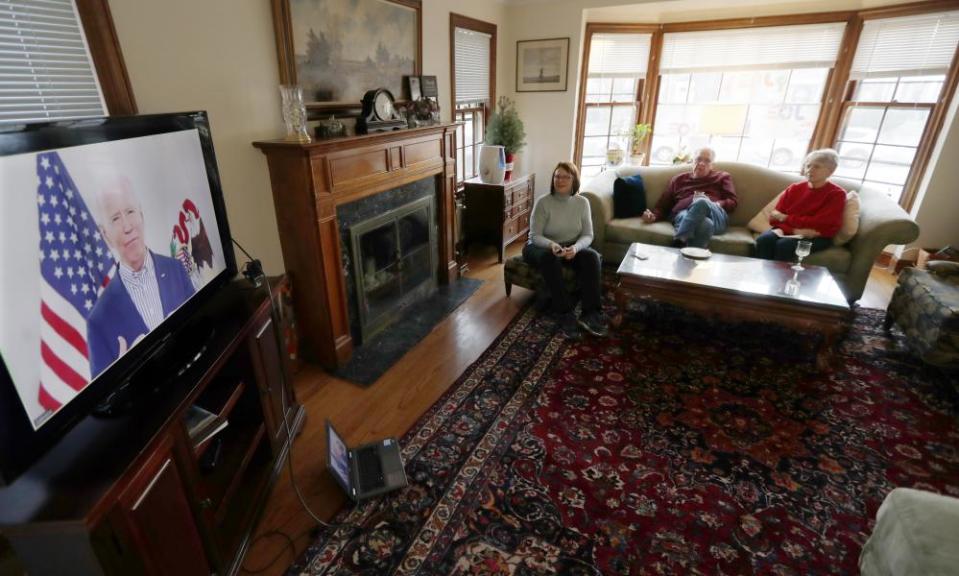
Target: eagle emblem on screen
{"type": "Point", "coordinates": [191, 246]}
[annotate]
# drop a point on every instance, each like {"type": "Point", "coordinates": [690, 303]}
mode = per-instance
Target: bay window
{"type": "Point", "coordinates": [874, 84]}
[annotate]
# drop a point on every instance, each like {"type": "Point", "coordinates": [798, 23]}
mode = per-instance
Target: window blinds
{"type": "Point", "coordinates": [618, 55]}
{"type": "Point", "coordinates": [46, 72]}
{"type": "Point", "coordinates": [923, 44]}
{"type": "Point", "coordinates": [802, 46]}
{"type": "Point", "coordinates": [472, 52]}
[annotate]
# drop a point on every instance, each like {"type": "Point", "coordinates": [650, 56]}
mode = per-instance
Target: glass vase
{"type": "Point", "coordinates": [294, 113]}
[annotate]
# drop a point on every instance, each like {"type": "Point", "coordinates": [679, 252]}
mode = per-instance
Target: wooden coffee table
{"type": "Point", "coordinates": [737, 288]}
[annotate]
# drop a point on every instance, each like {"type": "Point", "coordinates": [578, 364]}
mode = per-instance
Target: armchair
{"type": "Point", "coordinates": [926, 306]}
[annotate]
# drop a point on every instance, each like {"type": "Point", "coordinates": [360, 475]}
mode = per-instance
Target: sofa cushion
{"type": "Point", "coordinates": [629, 197]}
{"type": "Point", "coordinates": [850, 220]}
{"type": "Point", "coordinates": [736, 241]}
{"type": "Point", "coordinates": [629, 230]}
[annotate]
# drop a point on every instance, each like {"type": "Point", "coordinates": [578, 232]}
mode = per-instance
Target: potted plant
{"type": "Point", "coordinates": [506, 129]}
{"type": "Point", "coordinates": [637, 135]}
{"type": "Point", "coordinates": [683, 156]}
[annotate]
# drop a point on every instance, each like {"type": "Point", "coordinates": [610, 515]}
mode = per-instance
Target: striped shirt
{"type": "Point", "coordinates": [144, 290]}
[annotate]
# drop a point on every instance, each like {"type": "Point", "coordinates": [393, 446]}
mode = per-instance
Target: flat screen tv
{"type": "Point", "coordinates": [113, 232]}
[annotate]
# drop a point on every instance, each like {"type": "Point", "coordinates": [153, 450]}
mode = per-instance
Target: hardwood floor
{"type": "Point", "coordinates": [394, 403]}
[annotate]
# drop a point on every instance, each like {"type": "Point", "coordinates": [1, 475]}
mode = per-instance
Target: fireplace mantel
{"type": "Point", "coordinates": [310, 180]}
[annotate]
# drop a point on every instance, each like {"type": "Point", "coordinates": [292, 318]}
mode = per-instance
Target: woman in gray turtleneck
{"type": "Point", "coordinates": [560, 233]}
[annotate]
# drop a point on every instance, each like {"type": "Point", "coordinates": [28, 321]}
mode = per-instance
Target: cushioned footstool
{"type": "Point", "coordinates": [926, 306]}
{"type": "Point", "coordinates": [517, 271]}
{"type": "Point", "coordinates": [916, 534]}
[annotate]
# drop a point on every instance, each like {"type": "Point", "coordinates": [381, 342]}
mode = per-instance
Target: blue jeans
{"type": "Point", "coordinates": [698, 223]}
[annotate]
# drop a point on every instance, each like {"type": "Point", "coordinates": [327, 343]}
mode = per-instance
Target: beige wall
{"type": "Point", "coordinates": [937, 206]}
{"type": "Point", "coordinates": [220, 56]}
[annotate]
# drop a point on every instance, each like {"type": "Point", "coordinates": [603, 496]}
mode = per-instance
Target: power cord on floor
{"type": "Point", "coordinates": [290, 545]}
{"type": "Point", "coordinates": [254, 272]}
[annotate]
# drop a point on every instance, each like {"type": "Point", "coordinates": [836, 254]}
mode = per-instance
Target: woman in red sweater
{"type": "Point", "coordinates": [811, 209]}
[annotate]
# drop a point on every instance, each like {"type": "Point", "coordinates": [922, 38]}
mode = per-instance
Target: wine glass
{"type": "Point", "coordinates": [803, 248]}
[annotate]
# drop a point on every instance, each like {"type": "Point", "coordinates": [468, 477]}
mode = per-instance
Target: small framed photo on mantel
{"type": "Point", "coordinates": [413, 82]}
{"type": "Point", "coordinates": [428, 85]}
{"type": "Point", "coordinates": [541, 65]}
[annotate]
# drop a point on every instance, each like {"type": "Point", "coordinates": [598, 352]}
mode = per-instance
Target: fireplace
{"type": "Point", "coordinates": [394, 263]}
{"type": "Point", "coordinates": [316, 188]}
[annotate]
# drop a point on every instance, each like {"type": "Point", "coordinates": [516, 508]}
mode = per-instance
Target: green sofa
{"type": "Point", "coordinates": [881, 221]}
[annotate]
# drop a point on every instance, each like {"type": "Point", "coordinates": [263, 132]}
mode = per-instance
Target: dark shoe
{"type": "Point", "coordinates": [678, 243]}
{"type": "Point", "coordinates": [595, 323]}
{"type": "Point", "coordinates": [567, 325]}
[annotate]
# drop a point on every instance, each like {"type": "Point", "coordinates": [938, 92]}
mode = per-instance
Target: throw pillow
{"type": "Point", "coordinates": [850, 220]}
{"type": "Point", "coordinates": [629, 197]}
{"type": "Point", "coordinates": [760, 222]}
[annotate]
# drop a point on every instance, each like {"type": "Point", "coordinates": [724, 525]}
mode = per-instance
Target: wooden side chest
{"type": "Point", "coordinates": [497, 214]}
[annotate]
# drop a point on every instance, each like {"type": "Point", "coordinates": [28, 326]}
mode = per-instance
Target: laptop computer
{"type": "Point", "coordinates": [365, 471]}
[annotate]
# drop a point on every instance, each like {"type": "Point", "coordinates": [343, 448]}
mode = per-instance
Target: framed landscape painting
{"type": "Point", "coordinates": [336, 50]}
{"type": "Point", "coordinates": [541, 65]}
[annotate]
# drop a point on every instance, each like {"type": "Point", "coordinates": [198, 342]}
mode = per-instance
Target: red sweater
{"type": "Point", "coordinates": [717, 185]}
{"type": "Point", "coordinates": [807, 207]}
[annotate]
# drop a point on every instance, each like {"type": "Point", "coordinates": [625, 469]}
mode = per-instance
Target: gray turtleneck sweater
{"type": "Point", "coordinates": [561, 219]}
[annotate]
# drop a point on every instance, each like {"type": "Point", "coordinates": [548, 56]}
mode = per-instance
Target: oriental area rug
{"type": "Point", "coordinates": [674, 446]}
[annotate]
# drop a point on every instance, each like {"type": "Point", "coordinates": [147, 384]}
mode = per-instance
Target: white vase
{"type": "Point", "coordinates": [492, 164]}
{"type": "Point", "coordinates": [615, 155]}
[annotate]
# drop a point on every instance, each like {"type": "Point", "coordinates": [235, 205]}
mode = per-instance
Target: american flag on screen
{"type": "Point", "coordinates": [75, 265]}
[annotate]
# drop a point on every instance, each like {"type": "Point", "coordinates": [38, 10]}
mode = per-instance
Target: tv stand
{"type": "Point", "coordinates": [135, 493]}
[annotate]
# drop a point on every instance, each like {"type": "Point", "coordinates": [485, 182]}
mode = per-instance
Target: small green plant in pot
{"type": "Point", "coordinates": [506, 129]}
{"type": "Point", "coordinates": [637, 135]}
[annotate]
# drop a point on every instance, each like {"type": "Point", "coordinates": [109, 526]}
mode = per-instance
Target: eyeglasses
{"type": "Point", "coordinates": [704, 160]}
{"type": "Point", "coordinates": [562, 177]}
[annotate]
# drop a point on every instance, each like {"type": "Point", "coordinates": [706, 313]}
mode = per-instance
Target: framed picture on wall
{"type": "Point", "coordinates": [322, 47]}
{"type": "Point", "coordinates": [541, 65]}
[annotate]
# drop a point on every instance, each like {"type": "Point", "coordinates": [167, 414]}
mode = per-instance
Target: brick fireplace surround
{"type": "Point", "coordinates": [311, 180]}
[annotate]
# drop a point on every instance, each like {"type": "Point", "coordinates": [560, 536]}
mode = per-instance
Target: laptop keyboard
{"type": "Point", "coordinates": [369, 469]}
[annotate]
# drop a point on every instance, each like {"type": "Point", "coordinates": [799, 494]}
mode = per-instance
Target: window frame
{"type": "Point", "coordinates": [843, 89]}
{"type": "Point", "coordinates": [646, 88]}
{"type": "Point", "coordinates": [107, 58]}
{"type": "Point", "coordinates": [837, 91]}
{"type": "Point", "coordinates": [104, 45]}
{"type": "Point", "coordinates": [460, 21]}
{"type": "Point", "coordinates": [611, 105]}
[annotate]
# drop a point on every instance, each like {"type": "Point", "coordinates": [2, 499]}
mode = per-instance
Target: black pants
{"type": "Point", "coordinates": [586, 264]}
{"type": "Point", "coordinates": [771, 247]}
